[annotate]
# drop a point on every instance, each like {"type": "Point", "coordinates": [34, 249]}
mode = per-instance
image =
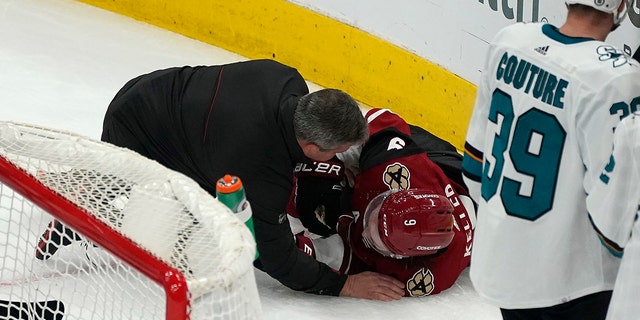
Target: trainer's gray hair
{"type": "Point", "coordinates": [329, 118]}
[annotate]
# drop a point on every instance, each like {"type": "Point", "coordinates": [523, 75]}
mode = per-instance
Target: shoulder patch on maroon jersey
{"type": "Point", "coordinates": [421, 283]}
{"type": "Point", "coordinates": [397, 176]}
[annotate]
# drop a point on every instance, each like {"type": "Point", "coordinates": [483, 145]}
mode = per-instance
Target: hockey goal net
{"type": "Point", "coordinates": [92, 231]}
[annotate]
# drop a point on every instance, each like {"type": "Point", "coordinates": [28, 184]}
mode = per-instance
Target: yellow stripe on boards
{"type": "Point", "coordinates": [327, 52]}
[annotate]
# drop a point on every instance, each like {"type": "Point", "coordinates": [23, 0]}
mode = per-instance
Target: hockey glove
{"type": "Point", "coordinates": [319, 196]}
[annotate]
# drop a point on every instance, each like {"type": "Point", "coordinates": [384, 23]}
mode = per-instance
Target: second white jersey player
{"type": "Point", "coordinates": [613, 205]}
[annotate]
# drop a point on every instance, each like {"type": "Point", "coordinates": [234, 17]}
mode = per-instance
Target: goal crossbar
{"type": "Point", "coordinates": [168, 277]}
{"type": "Point", "coordinates": [94, 231]}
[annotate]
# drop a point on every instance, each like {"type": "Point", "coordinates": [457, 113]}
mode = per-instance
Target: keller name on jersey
{"type": "Point", "coordinates": [463, 216]}
{"type": "Point", "coordinates": [533, 80]}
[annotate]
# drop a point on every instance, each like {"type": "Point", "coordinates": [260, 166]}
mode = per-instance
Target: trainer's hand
{"type": "Point", "coordinates": [374, 286]}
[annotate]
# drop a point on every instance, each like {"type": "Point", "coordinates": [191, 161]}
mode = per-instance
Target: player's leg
{"type": "Point", "coordinates": [590, 307]}
{"type": "Point", "coordinates": [55, 236]}
{"type": "Point", "coordinates": [88, 189]}
{"type": "Point", "coordinates": [521, 314]}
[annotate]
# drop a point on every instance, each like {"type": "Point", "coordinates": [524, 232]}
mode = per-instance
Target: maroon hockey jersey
{"type": "Point", "coordinates": [391, 160]}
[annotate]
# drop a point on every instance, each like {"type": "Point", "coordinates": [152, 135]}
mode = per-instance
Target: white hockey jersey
{"type": "Point", "coordinates": [540, 133]}
{"type": "Point", "coordinates": [613, 205]}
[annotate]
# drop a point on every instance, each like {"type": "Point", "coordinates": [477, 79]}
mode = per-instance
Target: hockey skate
{"type": "Point", "coordinates": [56, 236]}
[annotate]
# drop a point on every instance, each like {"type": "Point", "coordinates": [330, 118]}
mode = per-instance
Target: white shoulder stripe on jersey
{"type": "Point", "coordinates": [374, 115]}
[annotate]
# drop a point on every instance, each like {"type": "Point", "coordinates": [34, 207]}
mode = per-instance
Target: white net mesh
{"type": "Point", "coordinates": [52, 269]}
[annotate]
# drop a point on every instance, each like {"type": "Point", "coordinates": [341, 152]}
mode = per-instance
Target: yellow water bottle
{"type": "Point", "coordinates": [230, 192]}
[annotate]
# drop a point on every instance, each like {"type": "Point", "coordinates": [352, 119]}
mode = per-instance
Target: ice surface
{"type": "Point", "coordinates": [61, 63]}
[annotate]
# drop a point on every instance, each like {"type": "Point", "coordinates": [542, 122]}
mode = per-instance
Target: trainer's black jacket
{"type": "Point", "coordinates": [208, 121]}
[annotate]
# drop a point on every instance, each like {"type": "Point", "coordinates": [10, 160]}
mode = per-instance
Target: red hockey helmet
{"type": "Point", "coordinates": [405, 223]}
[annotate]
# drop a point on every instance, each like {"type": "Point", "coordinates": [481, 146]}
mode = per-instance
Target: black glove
{"type": "Point", "coordinates": [319, 194]}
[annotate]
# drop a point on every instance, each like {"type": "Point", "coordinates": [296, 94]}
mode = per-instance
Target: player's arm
{"type": "Point", "coordinates": [472, 162]}
{"type": "Point", "coordinates": [278, 253]}
{"type": "Point", "coordinates": [473, 156]}
{"type": "Point", "coordinates": [281, 259]}
{"type": "Point", "coordinates": [373, 286]}
{"type": "Point", "coordinates": [333, 252]}
{"type": "Point", "coordinates": [475, 141]}
{"type": "Point", "coordinates": [613, 201]}
{"type": "Point", "coordinates": [366, 284]}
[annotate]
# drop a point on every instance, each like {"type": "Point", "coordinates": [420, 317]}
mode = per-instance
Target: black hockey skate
{"type": "Point", "coordinates": [56, 236]}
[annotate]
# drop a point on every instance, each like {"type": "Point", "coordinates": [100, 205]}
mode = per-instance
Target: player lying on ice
{"type": "Point", "coordinates": [387, 207]}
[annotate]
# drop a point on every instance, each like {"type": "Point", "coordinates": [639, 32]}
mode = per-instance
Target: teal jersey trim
{"type": "Point", "coordinates": [553, 33]}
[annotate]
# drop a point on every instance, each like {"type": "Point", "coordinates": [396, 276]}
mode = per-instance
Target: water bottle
{"type": "Point", "coordinates": [230, 192]}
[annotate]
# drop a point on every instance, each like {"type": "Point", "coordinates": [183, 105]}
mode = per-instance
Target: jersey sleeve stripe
{"type": "Point", "coordinates": [472, 163]}
{"type": "Point", "coordinates": [473, 152]}
{"type": "Point", "coordinates": [377, 113]}
{"type": "Point", "coordinates": [613, 247]}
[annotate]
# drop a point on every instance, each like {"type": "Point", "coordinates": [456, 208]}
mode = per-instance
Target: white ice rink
{"type": "Point", "coordinates": [61, 62]}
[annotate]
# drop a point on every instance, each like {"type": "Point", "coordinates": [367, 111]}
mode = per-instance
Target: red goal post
{"type": "Point", "coordinates": [134, 240]}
